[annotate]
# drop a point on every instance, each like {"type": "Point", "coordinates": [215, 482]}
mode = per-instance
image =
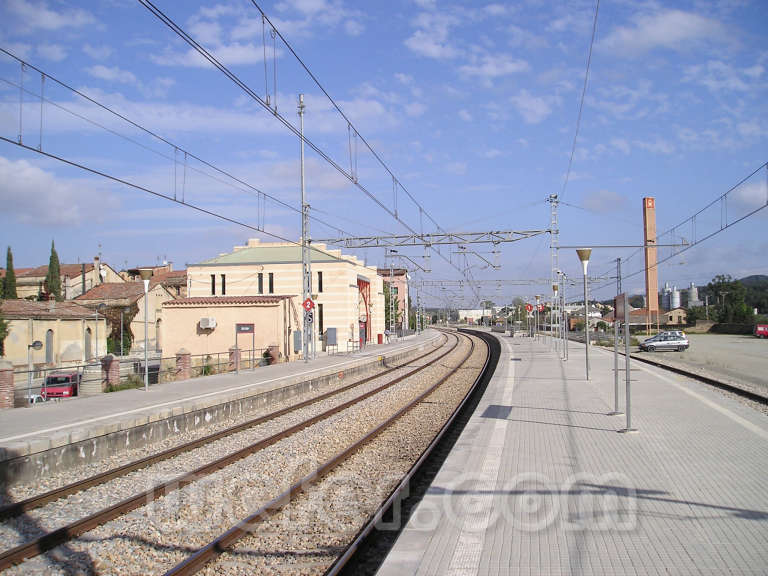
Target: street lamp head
{"type": "Point", "coordinates": [584, 254]}
{"type": "Point", "coordinates": [101, 307]}
{"type": "Point", "coordinates": [37, 345]}
{"type": "Point", "coordinates": [145, 273]}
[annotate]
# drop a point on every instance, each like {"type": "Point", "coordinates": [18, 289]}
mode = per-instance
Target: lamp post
{"type": "Point", "coordinates": [538, 298]}
{"type": "Point", "coordinates": [37, 345]}
{"type": "Point", "coordinates": [554, 324]}
{"type": "Point", "coordinates": [99, 310]}
{"type": "Point", "coordinates": [146, 274]}
{"type": "Point", "coordinates": [584, 254]}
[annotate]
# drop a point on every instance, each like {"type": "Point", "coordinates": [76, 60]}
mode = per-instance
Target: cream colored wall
{"type": "Point", "coordinates": [68, 340]}
{"type": "Point", "coordinates": [157, 296]}
{"type": "Point", "coordinates": [183, 330]}
{"type": "Point", "coordinates": [339, 295]}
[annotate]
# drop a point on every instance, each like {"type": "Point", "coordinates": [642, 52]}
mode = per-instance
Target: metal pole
{"type": "Point", "coordinates": [586, 323]}
{"type": "Point", "coordinates": [305, 254]}
{"type": "Point", "coordinates": [626, 368]}
{"type": "Point", "coordinates": [616, 410]}
{"type": "Point", "coordinates": [29, 375]}
{"type": "Point", "coordinates": [97, 335]}
{"type": "Point", "coordinates": [146, 336]}
{"type": "Point", "coordinates": [565, 316]}
{"type": "Point", "coordinates": [121, 332]}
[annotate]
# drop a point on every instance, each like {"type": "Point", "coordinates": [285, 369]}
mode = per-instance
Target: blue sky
{"type": "Point", "coordinates": [472, 106]}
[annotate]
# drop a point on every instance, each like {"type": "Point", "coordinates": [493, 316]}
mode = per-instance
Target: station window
{"type": "Point", "coordinates": [271, 283]}
{"type": "Point", "coordinates": [213, 284]}
{"type": "Point", "coordinates": [320, 282]}
{"type": "Point", "coordinates": [261, 283]}
{"type": "Point", "coordinates": [223, 284]}
{"type": "Point", "coordinates": [320, 318]}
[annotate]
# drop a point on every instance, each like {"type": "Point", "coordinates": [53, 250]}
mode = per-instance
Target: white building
{"type": "Point", "coordinates": [348, 295]}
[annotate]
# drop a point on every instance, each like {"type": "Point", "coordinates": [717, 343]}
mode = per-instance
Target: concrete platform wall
{"type": "Point", "coordinates": [64, 450]}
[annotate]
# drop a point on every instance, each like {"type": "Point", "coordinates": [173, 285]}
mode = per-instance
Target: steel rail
{"type": "Point", "coordinates": [17, 508]}
{"type": "Point", "coordinates": [404, 483]}
{"type": "Point", "coordinates": [749, 394]}
{"type": "Point", "coordinates": [210, 551]}
{"type": "Point", "coordinates": [63, 534]}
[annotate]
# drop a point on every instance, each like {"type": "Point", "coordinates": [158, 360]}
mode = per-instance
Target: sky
{"type": "Point", "coordinates": [419, 116]}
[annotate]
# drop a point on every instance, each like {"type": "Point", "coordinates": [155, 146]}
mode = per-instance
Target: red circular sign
{"type": "Point", "coordinates": [529, 307]}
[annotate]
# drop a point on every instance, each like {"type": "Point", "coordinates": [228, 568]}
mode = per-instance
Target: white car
{"type": "Point", "coordinates": [671, 340]}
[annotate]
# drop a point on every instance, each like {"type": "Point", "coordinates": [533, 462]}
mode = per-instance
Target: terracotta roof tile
{"type": "Point", "coordinates": [225, 300]}
{"type": "Point", "coordinates": [70, 270]}
{"type": "Point", "coordinates": [28, 309]}
{"type": "Point", "coordinates": [114, 291]}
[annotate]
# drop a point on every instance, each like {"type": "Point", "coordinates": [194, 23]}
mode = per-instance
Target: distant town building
{"type": "Point", "coordinates": [348, 295]}
{"type": "Point", "coordinates": [68, 331]}
{"type": "Point", "coordinates": [206, 325]}
{"type": "Point", "coordinates": [399, 281]}
{"type": "Point", "coordinates": [126, 294]}
{"type": "Point", "coordinates": [75, 279]}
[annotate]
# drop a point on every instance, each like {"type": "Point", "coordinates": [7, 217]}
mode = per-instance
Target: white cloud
{"type": "Point", "coordinates": [458, 168]}
{"type": "Point", "coordinates": [492, 153]}
{"type": "Point", "coordinates": [465, 115]}
{"type": "Point", "coordinates": [604, 201]}
{"type": "Point", "coordinates": [230, 54]}
{"type": "Point", "coordinates": [415, 109]}
{"type": "Point", "coordinates": [97, 52]}
{"type": "Point", "coordinates": [490, 66]}
{"type": "Point", "coordinates": [432, 36]}
{"type": "Point", "coordinates": [37, 15]}
{"type": "Point", "coordinates": [621, 144]}
{"type": "Point", "coordinates": [666, 29]}
{"type": "Point", "coordinates": [533, 109]}
{"type": "Point", "coordinates": [34, 195]}
{"type": "Point", "coordinates": [718, 76]}
{"type": "Point", "coordinates": [657, 146]}
{"type": "Point", "coordinates": [404, 79]}
{"type": "Point", "coordinates": [52, 52]}
{"type": "Point", "coordinates": [111, 74]}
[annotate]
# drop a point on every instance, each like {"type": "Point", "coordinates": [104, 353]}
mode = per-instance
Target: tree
{"type": "Point", "coordinates": [9, 286]}
{"type": "Point", "coordinates": [3, 333]}
{"type": "Point", "coordinates": [53, 279]}
{"type": "Point", "coordinates": [729, 295]}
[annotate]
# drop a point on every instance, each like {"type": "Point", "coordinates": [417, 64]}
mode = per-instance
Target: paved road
{"type": "Point", "coordinates": [736, 358]}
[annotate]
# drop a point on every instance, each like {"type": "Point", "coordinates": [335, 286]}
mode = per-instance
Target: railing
{"type": "Point", "coordinates": [160, 370]}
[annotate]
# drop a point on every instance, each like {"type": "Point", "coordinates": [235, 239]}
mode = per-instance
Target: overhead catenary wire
{"type": "Point", "coordinates": [251, 93]}
{"type": "Point", "coordinates": [249, 188]}
{"type": "Point", "coordinates": [581, 100]}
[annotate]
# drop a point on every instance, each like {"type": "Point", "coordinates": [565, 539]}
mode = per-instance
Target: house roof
{"type": "Point", "coordinates": [20, 309]}
{"type": "Point", "coordinates": [266, 254]}
{"type": "Point", "coordinates": [225, 300]}
{"type": "Point", "coordinates": [395, 272]}
{"type": "Point", "coordinates": [70, 270]}
{"type": "Point", "coordinates": [114, 291]}
{"type": "Point", "coordinates": [172, 278]}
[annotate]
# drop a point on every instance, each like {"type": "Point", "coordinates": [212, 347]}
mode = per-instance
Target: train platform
{"type": "Point", "coordinates": [52, 436]}
{"type": "Point", "coordinates": [540, 481]}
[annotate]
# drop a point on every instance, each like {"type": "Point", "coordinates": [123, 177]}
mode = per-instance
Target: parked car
{"type": "Point", "coordinates": [761, 330]}
{"type": "Point", "coordinates": [61, 385]}
{"type": "Point", "coordinates": [671, 340]}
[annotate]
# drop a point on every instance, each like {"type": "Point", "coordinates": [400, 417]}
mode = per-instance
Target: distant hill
{"type": "Point", "coordinates": [755, 281]}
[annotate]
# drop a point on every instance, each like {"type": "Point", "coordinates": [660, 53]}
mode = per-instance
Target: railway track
{"type": "Point", "coordinates": [15, 509]}
{"type": "Point", "coordinates": [51, 539]}
{"type": "Point", "coordinates": [225, 553]}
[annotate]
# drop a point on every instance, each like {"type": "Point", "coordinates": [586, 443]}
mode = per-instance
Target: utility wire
{"type": "Point", "coordinates": [581, 101]}
{"type": "Point", "coordinates": [249, 188]}
{"type": "Point", "coordinates": [250, 92]}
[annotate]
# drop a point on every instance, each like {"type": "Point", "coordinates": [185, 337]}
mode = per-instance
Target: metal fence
{"type": "Point", "coordinates": [160, 370]}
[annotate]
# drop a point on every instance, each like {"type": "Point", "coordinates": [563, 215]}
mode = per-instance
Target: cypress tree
{"type": "Point", "coordinates": [9, 286]}
{"type": "Point", "coordinates": [53, 279]}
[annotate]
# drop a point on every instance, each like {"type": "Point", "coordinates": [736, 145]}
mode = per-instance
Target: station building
{"type": "Point", "coordinates": [348, 295]}
{"type": "Point", "coordinates": [69, 332]}
{"type": "Point", "coordinates": [398, 278]}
